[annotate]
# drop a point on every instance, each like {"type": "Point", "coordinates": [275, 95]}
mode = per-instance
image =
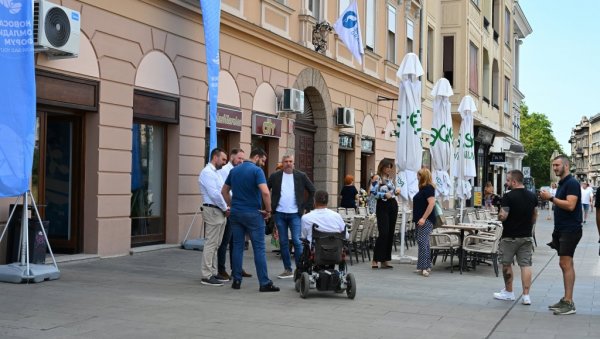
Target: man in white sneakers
{"type": "Point", "coordinates": [518, 214]}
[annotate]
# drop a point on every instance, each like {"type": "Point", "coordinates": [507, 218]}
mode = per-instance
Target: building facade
{"type": "Point", "coordinates": [580, 149]}
{"type": "Point", "coordinates": [594, 151]}
{"type": "Point", "coordinates": [122, 129]}
{"type": "Point", "coordinates": [476, 46]}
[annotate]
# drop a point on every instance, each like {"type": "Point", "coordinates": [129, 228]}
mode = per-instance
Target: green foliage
{"type": "Point", "coordinates": [539, 143]}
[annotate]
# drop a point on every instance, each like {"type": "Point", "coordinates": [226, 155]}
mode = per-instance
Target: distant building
{"type": "Point", "coordinates": [594, 150]}
{"type": "Point", "coordinates": [580, 149]}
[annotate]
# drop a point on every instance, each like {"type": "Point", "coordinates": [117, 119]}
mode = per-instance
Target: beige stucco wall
{"type": "Point", "coordinates": [158, 46]}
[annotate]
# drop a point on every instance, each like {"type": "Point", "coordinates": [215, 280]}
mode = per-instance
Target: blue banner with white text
{"type": "Point", "coordinates": [17, 103]}
{"type": "Point", "coordinates": [211, 18]}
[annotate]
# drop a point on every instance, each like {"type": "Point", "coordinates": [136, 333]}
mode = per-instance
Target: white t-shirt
{"type": "Point", "coordinates": [328, 221]}
{"type": "Point", "coordinates": [287, 202]}
{"type": "Point", "coordinates": [586, 195]}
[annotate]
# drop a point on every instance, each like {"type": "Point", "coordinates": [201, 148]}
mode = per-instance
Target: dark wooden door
{"type": "Point", "coordinates": [305, 154]}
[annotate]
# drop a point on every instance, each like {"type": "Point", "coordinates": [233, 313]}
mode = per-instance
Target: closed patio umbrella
{"type": "Point", "coordinates": [464, 165]}
{"type": "Point", "coordinates": [409, 151]}
{"type": "Point", "coordinates": [441, 137]}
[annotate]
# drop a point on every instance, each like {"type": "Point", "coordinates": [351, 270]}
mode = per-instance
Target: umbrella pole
{"type": "Point", "coordinates": [462, 208]}
{"type": "Point", "coordinates": [403, 230]}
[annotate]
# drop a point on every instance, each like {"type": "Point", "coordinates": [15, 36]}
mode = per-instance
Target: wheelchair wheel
{"type": "Point", "coordinates": [304, 285]}
{"type": "Point", "coordinates": [350, 286]}
{"type": "Point", "coordinates": [297, 285]}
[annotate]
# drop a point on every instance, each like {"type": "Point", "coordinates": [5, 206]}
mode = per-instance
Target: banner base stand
{"type": "Point", "coordinates": [17, 273]}
{"type": "Point", "coordinates": [194, 244]}
{"type": "Point", "coordinates": [399, 259]}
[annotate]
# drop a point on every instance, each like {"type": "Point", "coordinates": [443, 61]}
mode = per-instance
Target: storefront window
{"type": "Point", "coordinates": [147, 179]}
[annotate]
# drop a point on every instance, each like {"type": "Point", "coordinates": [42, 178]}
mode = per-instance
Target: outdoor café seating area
{"type": "Point", "coordinates": [460, 243]}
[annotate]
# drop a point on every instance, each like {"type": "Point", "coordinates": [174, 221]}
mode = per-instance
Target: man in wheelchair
{"type": "Point", "coordinates": [323, 236]}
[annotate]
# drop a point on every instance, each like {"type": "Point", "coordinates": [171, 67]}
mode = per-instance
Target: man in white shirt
{"type": "Point", "coordinates": [327, 220]}
{"type": "Point", "coordinates": [215, 212]}
{"type": "Point", "coordinates": [586, 199]}
{"type": "Point", "coordinates": [291, 195]}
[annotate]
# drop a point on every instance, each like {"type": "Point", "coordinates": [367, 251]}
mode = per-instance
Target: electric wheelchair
{"type": "Point", "coordinates": [317, 266]}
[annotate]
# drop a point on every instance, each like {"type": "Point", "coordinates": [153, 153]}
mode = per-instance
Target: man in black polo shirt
{"type": "Point", "coordinates": [518, 214]}
{"type": "Point", "coordinates": [568, 218]}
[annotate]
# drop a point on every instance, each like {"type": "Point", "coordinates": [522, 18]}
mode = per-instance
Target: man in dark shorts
{"type": "Point", "coordinates": [568, 218]}
{"type": "Point", "coordinates": [518, 213]}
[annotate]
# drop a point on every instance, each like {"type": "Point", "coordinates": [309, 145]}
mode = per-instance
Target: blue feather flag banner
{"type": "Point", "coordinates": [17, 85]}
{"type": "Point", "coordinates": [211, 19]}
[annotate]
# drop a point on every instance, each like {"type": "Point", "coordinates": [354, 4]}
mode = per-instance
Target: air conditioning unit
{"type": "Point", "coordinates": [56, 30]}
{"type": "Point", "coordinates": [345, 117]}
{"type": "Point", "coordinates": [293, 100]}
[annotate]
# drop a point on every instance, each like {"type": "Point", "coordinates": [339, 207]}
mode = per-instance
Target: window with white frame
{"type": "Point", "coordinates": [410, 35]}
{"type": "Point", "coordinates": [314, 7]}
{"type": "Point", "coordinates": [391, 33]}
{"type": "Point", "coordinates": [370, 25]}
{"type": "Point", "coordinates": [506, 95]}
{"type": "Point", "coordinates": [473, 68]}
{"type": "Point", "coordinates": [507, 35]}
{"type": "Point", "coordinates": [430, 54]}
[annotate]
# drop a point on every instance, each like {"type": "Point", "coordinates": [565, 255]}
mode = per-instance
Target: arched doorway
{"type": "Point", "coordinates": [315, 133]}
{"type": "Point", "coordinates": [304, 131]}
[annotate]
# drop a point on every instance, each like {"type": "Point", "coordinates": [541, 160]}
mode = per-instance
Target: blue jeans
{"type": "Point", "coordinates": [283, 222]}
{"type": "Point", "coordinates": [253, 224]}
{"type": "Point", "coordinates": [222, 252]}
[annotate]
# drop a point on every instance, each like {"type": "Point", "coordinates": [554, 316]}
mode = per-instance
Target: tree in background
{"type": "Point", "coordinates": [539, 143]}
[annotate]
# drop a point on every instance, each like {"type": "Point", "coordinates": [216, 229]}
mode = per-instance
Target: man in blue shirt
{"type": "Point", "coordinates": [249, 189]}
{"type": "Point", "coordinates": [568, 220]}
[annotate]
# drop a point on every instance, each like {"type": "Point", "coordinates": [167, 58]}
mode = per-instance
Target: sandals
{"type": "Point", "coordinates": [386, 266]}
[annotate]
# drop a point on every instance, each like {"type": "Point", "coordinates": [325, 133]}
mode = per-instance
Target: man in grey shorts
{"type": "Point", "coordinates": [518, 214]}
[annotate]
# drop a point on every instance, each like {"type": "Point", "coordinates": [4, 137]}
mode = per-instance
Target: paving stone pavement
{"type": "Point", "coordinates": [158, 295]}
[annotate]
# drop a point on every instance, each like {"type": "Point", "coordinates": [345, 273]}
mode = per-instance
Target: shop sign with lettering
{"type": "Point", "coordinates": [229, 119]}
{"type": "Point", "coordinates": [497, 158]}
{"type": "Point", "coordinates": [366, 145]}
{"type": "Point", "coordinates": [347, 142]}
{"type": "Point", "coordinates": [267, 126]}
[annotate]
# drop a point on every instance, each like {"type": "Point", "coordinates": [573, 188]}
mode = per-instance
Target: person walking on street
{"type": "Point", "coordinates": [236, 157]}
{"type": "Point", "coordinates": [249, 191]}
{"type": "Point", "coordinates": [292, 194]}
{"type": "Point", "coordinates": [518, 213]}
{"type": "Point", "coordinates": [586, 199]}
{"type": "Point", "coordinates": [424, 218]}
{"type": "Point", "coordinates": [386, 211]}
{"type": "Point", "coordinates": [567, 228]}
{"type": "Point", "coordinates": [215, 212]}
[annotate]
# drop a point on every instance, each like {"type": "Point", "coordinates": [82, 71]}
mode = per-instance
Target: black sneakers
{"type": "Point", "coordinates": [269, 288]}
{"type": "Point", "coordinates": [236, 284]}
{"type": "Point", "coordinates": [212, 281]}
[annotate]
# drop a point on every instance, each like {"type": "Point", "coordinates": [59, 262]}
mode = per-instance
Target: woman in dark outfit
{"type": "Point", "coordinates": [424, 218]}
{"type": "Point", "coordinates": [349, 193]}
{"type": "Point", "coordinates": [386, 211]}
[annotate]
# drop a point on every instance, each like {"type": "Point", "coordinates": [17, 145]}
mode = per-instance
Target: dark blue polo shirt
{"type": "Point", "coordinates": [565, 221]}
{"type": "Point", "coordinates": [244, 180]}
